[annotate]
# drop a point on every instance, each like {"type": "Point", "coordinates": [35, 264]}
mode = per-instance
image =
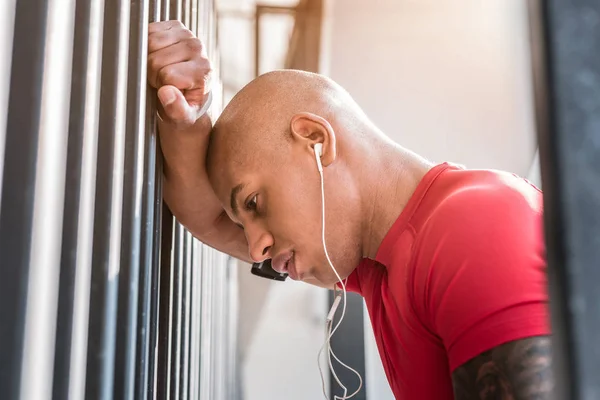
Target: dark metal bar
{"type": "Point", "coordinates": [16, 211]}
{"type": "Point", "coordinates": [165, 7]}
{"type": "Point", "coordinates": [50, 164]}
{"type": "Point", "coordinates": [257, 16]}
{"type": "Point", "coordinates": [205, 326]}
{"type": "Point", "coordinates": [186, 309]}
{"type": "Point", "coordinates": [109, 186]}
{"type": "Point", "coordinates": [175, 319]}
{"type": "Point", "coordinates": [150, 247]}
{"type": "Point", "coordinates": [186, 13]}
{"type": "Point", "coordinates": [570, 166]}
{"type": "Point", "coordinates": [133, 174]}
{"type": "Point", "coordinates": [348, 344]}
{"type": "Point", "coordinates": [163, 369]}
{"type": "Point", "coordinates": [72, 318]}
{"type": "Point", "coordinates": [194, 17]}
{"type": "Point", "coordinates": [7, 21]}
{"type": "Point", "coordinates": [175, 11]}
{"type": "Point", "coordinates": [195, 321]}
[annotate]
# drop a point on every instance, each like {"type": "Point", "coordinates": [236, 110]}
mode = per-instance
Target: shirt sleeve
{"type": "Point", "coordinates": [484, 283]}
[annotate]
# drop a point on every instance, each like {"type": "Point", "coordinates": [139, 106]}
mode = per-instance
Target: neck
{"type": "Point", "coordinates": [392, 177]}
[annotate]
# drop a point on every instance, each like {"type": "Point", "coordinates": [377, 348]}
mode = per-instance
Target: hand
{"type": "Point", "coordinates": [179, 68]}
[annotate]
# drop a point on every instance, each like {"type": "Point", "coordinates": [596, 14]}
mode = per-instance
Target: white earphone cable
{"type": "Point", "coordinates": [329, 323]}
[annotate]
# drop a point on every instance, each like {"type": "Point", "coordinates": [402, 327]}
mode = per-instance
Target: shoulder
{"type": "Point", "coordinates": [478, 202]}
{"type": "Point", "coordinates": [479, 268]}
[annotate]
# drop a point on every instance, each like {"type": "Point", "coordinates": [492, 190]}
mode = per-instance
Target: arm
{"type": "Point", "coordinates": [179, 69]}
{"type": "Point", "coordinates": [485, 294]}
{"type": "Point", "coordinates": [188, 194]}
{"type": "Point", "coordinates": [516, 370]}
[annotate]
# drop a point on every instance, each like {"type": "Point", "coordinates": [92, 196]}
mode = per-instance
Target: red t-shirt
{"type": "Point", "coordinates": [461, 271]}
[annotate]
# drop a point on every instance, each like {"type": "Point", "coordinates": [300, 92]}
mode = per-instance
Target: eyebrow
{"type": "Point", "coordinates": [234, 192]}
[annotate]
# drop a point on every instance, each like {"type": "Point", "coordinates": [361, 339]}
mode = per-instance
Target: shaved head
{"type": "Point", "coordinates": [261, 165]}
{"type": "Point", "coordinates": [261, 112]}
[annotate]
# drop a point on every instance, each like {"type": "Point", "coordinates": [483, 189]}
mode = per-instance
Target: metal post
{"type": "Point", "coordinates": [75, 275]}
{"type": "Point", "coordinates": [44, 269]}
{"type": "Point", "coordinates": [186, 315]}
{"type": "Point", "coordinates": [164, 360]}
{"type": "Point", "coordinates": [109, 196]}
{"type": "Point", "coordinates": [7, 23]}
{"type": "Point", "coordinates": [348, 343]}
{"type": "Point", "coordinates": [23, 124]}
{"type": "Point", "coordinates": [150, 247]}
{"type": "Point", "coordinates": [133, 174]}
{"type": "Point", "coordinates": [175, 309]}
{"type": "Point", "coordinates": [570, 166]}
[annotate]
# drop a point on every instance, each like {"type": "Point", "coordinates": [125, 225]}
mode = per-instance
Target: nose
{"type": "Point", "coordinates": [260, 242]}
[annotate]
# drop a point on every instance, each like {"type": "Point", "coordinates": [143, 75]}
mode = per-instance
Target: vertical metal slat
{"type": "Point", "coordinates": [196, 320]}
{"type": "Point", "coordinates": [163, 363]}
{"type": "Point", "coordinates": [7, 23]}
{"type": "Point", "coordinates": [150, 247]}
{"type": "Point", "coordinates": [108, 211]}
{"type": "Point", "coordinates": [133, 174]}
{"type": "Point", "coordinates": [186, 309]}
{"type": "Point", "coordinates": [72, 319]}
{"type": "Point", "coordinates": [175, 309]}
{"type": "Point", "coordinates": [19, 173]}
{"type": "Point", "coordinates": [46, 237]}
{"type": "Point", "coordinates": [570, 166]}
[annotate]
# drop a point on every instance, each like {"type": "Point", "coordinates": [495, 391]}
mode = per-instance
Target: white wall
{"type": "Point", "coordinates": [447, 79]}
{"type": "Point", "coordinates": [450, 80]}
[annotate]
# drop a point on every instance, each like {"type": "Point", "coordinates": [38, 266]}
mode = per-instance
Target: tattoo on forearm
{"type": "Point", "coordinates": [519, 370]}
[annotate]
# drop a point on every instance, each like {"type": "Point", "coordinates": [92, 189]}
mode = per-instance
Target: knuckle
{"type": "Point", "coordinates": [166, 75]}
{"type": "Point", "coordinates": [154, 63]}
{"type": "Point", "coordinates": [193, 44]}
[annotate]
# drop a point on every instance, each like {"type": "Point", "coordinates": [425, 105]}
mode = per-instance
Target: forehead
{"type": "Point", "coordinates": [231, 166]}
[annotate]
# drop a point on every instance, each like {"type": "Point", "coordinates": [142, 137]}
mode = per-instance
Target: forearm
{"type": "Point", "coordinates": [188, 193]}
{"type": "Point", "coordinates": [186, 190]}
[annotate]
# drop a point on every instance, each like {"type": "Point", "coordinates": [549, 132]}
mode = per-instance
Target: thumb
{"type": "Point", "coordinates": [175, 106]}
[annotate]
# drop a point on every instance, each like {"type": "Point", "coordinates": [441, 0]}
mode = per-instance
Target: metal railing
{"type": "Point", "coordinates": [103, 294]}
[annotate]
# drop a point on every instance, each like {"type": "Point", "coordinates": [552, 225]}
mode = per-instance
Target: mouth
{"type": "Point", "coordinates": [285, 263]}
{"type": "Point", "coordinates": [290, 267]}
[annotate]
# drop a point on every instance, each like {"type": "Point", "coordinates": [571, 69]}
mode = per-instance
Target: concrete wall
{"type": "Point", "coordinates": [449, 80]}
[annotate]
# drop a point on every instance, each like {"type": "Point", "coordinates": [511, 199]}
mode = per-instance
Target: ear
{"type": "Point", "coordinates": [309, 129]}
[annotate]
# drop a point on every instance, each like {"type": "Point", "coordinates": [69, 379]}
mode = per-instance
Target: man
{"type": "Point", "coordinates": [450, 261]}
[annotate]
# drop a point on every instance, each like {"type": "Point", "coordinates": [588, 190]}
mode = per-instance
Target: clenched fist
{"type": "Point", "coordinates": [179, 68]}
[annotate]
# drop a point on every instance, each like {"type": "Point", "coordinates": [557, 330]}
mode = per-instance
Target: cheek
{"type": "Point", "coordinates": [294, 214]}
{"type": "Point", "coordinates": [295, 217]}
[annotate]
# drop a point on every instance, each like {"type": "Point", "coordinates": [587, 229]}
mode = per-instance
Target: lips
{"type": "Point", "coordinates": [279, 262]}
{"type": "Point", "coordinates": [291, 269]}
{"type": "Point", "coordinates": [285, 263]}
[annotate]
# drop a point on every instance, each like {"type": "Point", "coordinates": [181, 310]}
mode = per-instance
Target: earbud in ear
{"type": "Point", "coordinates": [319, 149]}
{"type": "Point", "coordinates": [318, 153]}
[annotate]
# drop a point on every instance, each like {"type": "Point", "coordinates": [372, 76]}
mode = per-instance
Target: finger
{"type": "Point", "coordinates": [184, 76]}
{"type": "Point", "coordinates": [164, 25]}
{"type": "Point", "coordinates": [177, 53]}
{"type": "Point", "coordinates": [162, 39]}
{"type": "Point", "coordinates": [195, 97]}
{"type": "Point", "coordinates": [175, 106]}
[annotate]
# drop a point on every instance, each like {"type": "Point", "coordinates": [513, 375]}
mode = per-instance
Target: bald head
{"type": "Point", "coordinates": [260, 114]}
